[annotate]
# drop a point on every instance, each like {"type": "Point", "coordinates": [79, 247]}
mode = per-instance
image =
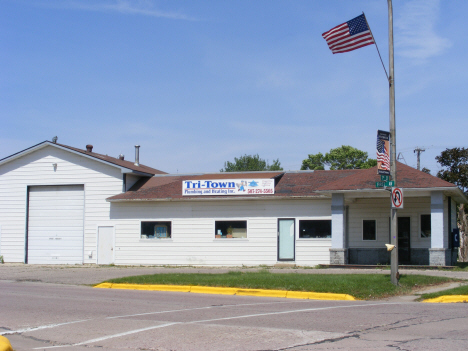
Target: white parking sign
{"type": "Point", "coordinates": [397, 198]}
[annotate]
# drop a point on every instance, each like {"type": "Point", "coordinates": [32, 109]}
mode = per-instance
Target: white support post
{"type": "Point", "coordinates": [437, 220]}
{"type": "Point", "coordinates": [439, 254]}
{"type": "Point", "coordinates": [338, 251]}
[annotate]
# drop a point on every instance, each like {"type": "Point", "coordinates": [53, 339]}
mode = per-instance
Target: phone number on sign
{"type": "Point", "coordinates": [260, 191]}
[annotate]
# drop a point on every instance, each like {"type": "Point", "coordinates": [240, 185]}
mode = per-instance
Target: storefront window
{"type": "Point", "coordinates": [155, 230]}
{"type": "Point", "coordinates": [230, 229]}
{"type": "Point", "coordinates": [425, 226]}
{"type": "Point", "coordinates": [315, 229]}
{"type": "Point", "coordinates": [369, 229]}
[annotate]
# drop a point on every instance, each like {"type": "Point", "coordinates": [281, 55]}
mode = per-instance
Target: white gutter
{"type": "Point", "coordinates": [222, 198]}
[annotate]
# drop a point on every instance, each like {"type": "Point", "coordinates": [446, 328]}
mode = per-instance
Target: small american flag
{"type": "Point", "coordinates": [383, 156]}
{"type": "Point", "coordinates": [349, 36]}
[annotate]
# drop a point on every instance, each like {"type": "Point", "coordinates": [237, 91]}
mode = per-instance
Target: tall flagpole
{"type": "Point", "coordinates": [393, 224]}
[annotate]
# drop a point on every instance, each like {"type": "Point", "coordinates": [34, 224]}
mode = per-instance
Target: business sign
{"type": "Point", "coordinates": [244, 186]}
{"type": "Point", "coordinates": [397, 198]}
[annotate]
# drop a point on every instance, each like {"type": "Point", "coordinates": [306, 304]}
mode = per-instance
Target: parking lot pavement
{"type": "Point", "coordinates": [94, 274]}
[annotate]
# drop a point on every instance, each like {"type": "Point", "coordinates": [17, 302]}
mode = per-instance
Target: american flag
{"type": "Point", "coordinates": [349, 36]}
{"type": "Point", "coordinates": [383, 156]}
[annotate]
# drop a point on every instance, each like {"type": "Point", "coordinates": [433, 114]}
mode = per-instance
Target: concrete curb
{"type": "Point", "coordinates": [5, 344]}
{"type": "Point", "coordinates": [448, 299]}
{"type": "Point", "coordinates": [230, 291]}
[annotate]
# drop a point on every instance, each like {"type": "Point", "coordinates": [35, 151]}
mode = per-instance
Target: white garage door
{"type": "Point", "coordinates": [55, 224]}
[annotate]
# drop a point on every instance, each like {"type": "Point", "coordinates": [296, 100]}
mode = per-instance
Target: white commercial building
{"type": "Point", "coordinates": [63, 205]}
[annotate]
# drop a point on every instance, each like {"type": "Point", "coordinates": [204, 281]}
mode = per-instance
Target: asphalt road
{"type": "Point", "coordinates": [42, 308]}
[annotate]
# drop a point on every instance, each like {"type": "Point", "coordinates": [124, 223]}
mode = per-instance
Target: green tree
{"type": "Point", "coordinates": [343, 157]}
{"type": "Point", "coordinates": [251, 163]}
{"type": "Point", "coordinates": [454, 164]}
{"type": "Point", "coordinates": [426, 170]}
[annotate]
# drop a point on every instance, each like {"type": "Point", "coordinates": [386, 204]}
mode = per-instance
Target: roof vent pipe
{"type": "Point", "coordinates": [137, 155]}
{"type": "Point", "coordinates": [89, 148]}
{"type": "Point", "coordinates": [121, 157]}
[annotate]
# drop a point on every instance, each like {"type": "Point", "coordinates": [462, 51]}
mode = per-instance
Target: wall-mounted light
{"type": "Point", "coordinates": [55, 167]}
{"type": "Point", "coordinates": [390, 247]}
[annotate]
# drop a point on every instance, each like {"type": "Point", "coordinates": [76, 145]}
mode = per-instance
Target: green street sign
{"type": "Point", "coordinates": [384, 178]}
{"type": "Point", "coordinates": [389, 184]}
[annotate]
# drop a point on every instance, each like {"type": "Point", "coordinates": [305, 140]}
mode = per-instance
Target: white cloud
{"type": "Point", "coordinates": [126, 7]}
{"type": "Point", "coordinates": [415, 35]}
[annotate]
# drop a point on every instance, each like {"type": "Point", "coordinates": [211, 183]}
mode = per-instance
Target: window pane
{"type": "Point", "coordinates": [368, 230]}
{"type": "Point", "coordinates": [159, 230]}
{"type": "Point", "coordinates": [425, 226]}
{"type": "Point", "coordinates": [315, 229]}
{"type": "Point", "coordinates": [230, 229]}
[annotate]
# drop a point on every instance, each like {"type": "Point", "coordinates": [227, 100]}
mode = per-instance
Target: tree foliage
{"type": "Point", "coordinates": [454, 164]}
{"type": "Point", "coordinates": [251, 163]}
{"type": "Point", "coordinates": [343, 157]}
{"type": "Point", "coordinates": [426, 170]}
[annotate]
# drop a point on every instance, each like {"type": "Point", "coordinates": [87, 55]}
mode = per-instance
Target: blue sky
{"type": "Point", "coordinates": [197, 83]}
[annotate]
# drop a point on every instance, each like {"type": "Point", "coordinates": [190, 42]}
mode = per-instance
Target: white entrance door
{"type": "Point", "coordinates": [286, 240]}
{"type": "Point", "coordinates": [55, 224]}
{"type": "Point", "coordinates": [105, 248]}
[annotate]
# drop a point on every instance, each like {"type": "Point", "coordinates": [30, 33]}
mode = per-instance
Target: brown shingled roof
{"type": "Point", "coordinates": [407, 177]}
{"type": "Point", "coordinates": [307, 183]}
{"type": "Point", "coordinates": [116, 161]}
{"type": "Point", "coordinates": [170, 187]}
{"type": "Point", "coordinates": [288, 184]}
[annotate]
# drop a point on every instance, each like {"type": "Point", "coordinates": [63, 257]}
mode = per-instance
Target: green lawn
{"type": "Point", "coordinates": [461, 266]}
{"type": "Point", "coordinates": [361, 286]}
{"type": "Point", "coordinates": [462, 290]}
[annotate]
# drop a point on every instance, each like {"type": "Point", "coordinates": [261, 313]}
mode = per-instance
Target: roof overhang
{"type": "Point", "coordinates": [455, 192]}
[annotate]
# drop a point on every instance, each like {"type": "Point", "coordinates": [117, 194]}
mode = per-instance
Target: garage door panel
{"type": "Point", "coordinates": [47, 242]}
{"type": "Point", "coordinates": [55, 224]}
{"type": "Point", "coordinates": [62, 225]}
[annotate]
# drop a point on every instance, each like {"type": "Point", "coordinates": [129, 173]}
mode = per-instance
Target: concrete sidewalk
{"type": "Point", "coordinates": [92, 274]}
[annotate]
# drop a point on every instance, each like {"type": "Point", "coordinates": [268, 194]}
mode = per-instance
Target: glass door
{"type": "Point", "coordinates": [404, 242]}
{"type": "Point", "coordinates": [286, 240]}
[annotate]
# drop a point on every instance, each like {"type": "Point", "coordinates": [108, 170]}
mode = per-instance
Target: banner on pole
{"type": "Point", "coordinates": [383, 152]}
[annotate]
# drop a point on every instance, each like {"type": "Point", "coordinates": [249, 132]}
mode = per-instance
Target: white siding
{"type": "Point", "coordinates": [100, 181]}
{"type": "Point", "coordinates": [379, 209]}
{"type": "Point", "coordinates": [193, 232]}
{"type": "Point", "coordinates": [131, 179]}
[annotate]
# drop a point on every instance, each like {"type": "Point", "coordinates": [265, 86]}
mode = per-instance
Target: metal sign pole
{"type": "Point", "coordinates": [393, 224]}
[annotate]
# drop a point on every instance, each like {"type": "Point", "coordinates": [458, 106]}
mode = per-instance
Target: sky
{"type": "Point", "coordinates": [197, 83]}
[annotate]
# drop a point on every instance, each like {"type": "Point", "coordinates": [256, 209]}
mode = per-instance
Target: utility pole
{"type": "Point", "coordinates": [393, 214]}
{"type": "Point", "coordinates": [418, 150]}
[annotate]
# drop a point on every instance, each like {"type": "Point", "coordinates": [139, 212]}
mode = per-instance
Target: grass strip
{"type": "Point", "coordinates": [461, 266]}
{"type": "Point", "coordinates": [461, 290]}
{"type": "Point", "coordinates": [361, 286]}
